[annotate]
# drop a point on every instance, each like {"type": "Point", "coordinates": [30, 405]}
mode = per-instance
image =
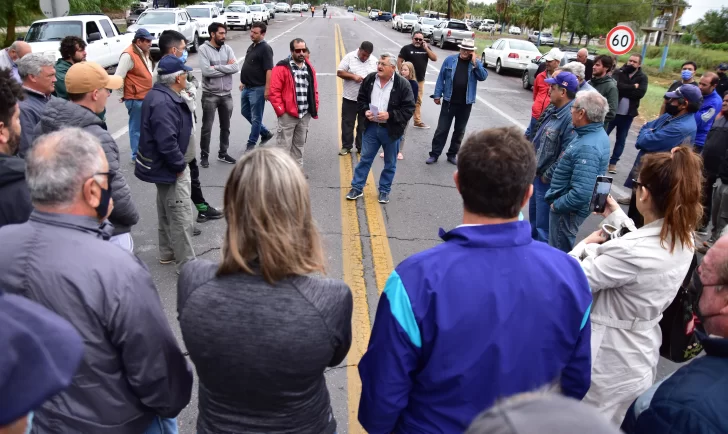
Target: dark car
{"type": "Point", "coordinates": [385, 16]}
{"type": "Point", "coordinates": [529, 75]}
{"type": "Point", "coordinates": [350, 9]}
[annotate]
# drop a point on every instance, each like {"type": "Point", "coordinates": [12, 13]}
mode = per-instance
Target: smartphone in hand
{"type": "Point", "coordinates": [602, 187]}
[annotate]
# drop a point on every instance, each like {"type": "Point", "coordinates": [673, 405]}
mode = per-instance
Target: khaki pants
{"type": "Point", "coordinates": [292, 134]}
{"type": "Point", "coordinates": [176, 220]}
{"type": "Point", "coordinates": [418, 103]}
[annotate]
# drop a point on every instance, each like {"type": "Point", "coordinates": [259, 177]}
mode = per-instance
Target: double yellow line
{"type": "Point", "coordinates": [353, 258]}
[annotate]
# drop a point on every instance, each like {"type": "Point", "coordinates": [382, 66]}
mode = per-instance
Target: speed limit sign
{"type": "Point", "coordinates": [620, 40]}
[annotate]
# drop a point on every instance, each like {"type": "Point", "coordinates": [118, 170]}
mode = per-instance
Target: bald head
{"type": "Point", "coordinates": [713, 274]}
{"type": "Point", "coordinates": [708, 82]}
{"type": "Point", "coordinates": [582, 55]}
{"type": "Point", "coordinates": [18, 49]}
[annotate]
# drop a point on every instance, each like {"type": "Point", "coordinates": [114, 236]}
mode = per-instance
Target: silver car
{"type": "Point", "coordinates": [529, 75]}
{"type": "Point", "coordinates": [425, 25]}
{"type": "Point", "coordinates": [546, 38]}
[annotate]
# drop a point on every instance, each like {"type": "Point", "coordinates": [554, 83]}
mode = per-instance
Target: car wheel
{"type": "Point", "coordinates": [482, 60]}
{"type": "Point", "coordinates": [195, 43]}
{"type": "Point", "coordinates": [524, 80]}
{"type": "Point", "coordinates": [498, 67]}
{"type": "Point", "coordinates": [432, 40]}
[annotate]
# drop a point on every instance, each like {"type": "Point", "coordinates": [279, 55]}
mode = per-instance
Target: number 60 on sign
{"type": "Point", "coordinates": [620, 40]}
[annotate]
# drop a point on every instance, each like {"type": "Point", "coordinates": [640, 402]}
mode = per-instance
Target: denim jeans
{"type": "Point", "coordinates": [376, 137]}
{"type": "Point", "coordinates": [223, 105]}
{"type": "Point", "coordinates": [538, 211]}
{"type": "Point", "coordinates": [563, 229]}
{"type": "Point", "coordinates": [252, 105]}
{"type": "Point", "coordinates": [134, 108]}
{"type": "Point", "coordinates": [622, 123]}
{"type": "Point", "coordinates": [161, 425]}
{"type": "Point", "coordinates": [460, 113]}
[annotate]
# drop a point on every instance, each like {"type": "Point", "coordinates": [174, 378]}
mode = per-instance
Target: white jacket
{"type": "Point", "coordinates": [633, 279]}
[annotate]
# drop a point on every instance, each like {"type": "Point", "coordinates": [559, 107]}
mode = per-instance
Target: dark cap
{"type": "Point", "coordinates": [566, 80]}
{"type": "Point", "coordinates": [689, 92]}
{"type": "Point", "coordinates": [170, 64]}
{"type": "Point", "coordinates": [40, 355]}
{"type": "Point", "coordinates": [723, 66]}
{"type": "Point", "coordinates": [143, 34]}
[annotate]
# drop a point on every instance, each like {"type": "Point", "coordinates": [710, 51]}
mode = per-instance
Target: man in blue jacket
{"type": "Point", "coordinates": [694, 399]}
{"type": "Point", "coordinates": [487, 314]}
{"type": "Point", "coordinates": [675, 127]}
{"type": "Point", "coordinates": [712, 103]}
{"type": "Point", "coordinates": [165, 135]}
{"type": "Point", "coordinates": [458, 83]}
{"type": "Point", "coordinates": [573, 182]}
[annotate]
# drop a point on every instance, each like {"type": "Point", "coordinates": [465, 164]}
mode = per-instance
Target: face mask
{"type": "Point", "coordinates": [30, 423]}
{"type": "Point", "coordinates": [183, 58]}
{"type": "Point", "coordinates": [672, 110]}
{"type": "Point", "coordinates": [687, 74]}
{"type": "Point", "coordinates": [103, 209]}
{"type": "Point", "coordinates": [628, 69]}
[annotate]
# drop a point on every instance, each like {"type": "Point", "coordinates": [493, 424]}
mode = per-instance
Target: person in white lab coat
{"type": "Point", "coordinates": [635, 274]}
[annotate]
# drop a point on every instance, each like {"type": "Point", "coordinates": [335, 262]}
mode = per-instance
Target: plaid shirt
{"type": "Point", "coordinates": [300, 76]}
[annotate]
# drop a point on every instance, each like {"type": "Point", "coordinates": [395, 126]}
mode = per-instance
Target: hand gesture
{"type": "Point", "coordinates": [610, 206]}
{"type": "Point", "coordinates": [359, 79]}
{"type": "Point", "coordinates": [369, 115]}
{"type": "Point", "coordinates": [597, 237]}
{"type": "Point", "coordinates": [437, 101]}
{"type": "Point", "coordinates": [231, 61]}
{"type": "Point", "coordinates": [383, 116]}
{"type": "Point", "coordinates": [242, 86]}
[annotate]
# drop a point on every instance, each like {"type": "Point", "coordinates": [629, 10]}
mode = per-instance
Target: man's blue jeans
{"type": "Point", "coordinates": [252, 105]}
{"type": "Point", "coordinates": [376, 137]}
{"type": "Point", "coordinates": [563, 229]}
{"type": "Point", "coordinates": [162, 425]}
{"type": "Point", "coordinates": [538, 211]}
{"type": "Point", "coordinates": [622, 123]}
{"type": "Point", "coordinates": [134, 108]}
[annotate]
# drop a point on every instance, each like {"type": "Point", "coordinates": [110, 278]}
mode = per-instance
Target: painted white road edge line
{"type": "Point", "coordinates": [120, 133]}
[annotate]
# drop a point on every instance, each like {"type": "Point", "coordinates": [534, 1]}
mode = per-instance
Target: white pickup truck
{"type": "Point", "coordinates": [104, 41]}
{"type": "Point", "coordinates": [451, 32]}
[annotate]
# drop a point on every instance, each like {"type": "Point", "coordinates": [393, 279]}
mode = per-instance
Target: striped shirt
{"type": "Point", "coordinates": [300, 77]}
{"type": "Point", "coordinates": [351, 63]}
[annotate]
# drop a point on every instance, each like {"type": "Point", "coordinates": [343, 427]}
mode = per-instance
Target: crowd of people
{"type": "Point", "coordinates": [89, 348]}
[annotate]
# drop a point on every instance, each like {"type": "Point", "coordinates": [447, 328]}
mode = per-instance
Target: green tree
{"type": "Point", "coordinates": [713, 27]}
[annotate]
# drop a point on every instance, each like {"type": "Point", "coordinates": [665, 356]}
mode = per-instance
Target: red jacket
{"type": "Point", "coordinates": [282, 93]}
{"type": "Point", "coordinates": [541, 98]}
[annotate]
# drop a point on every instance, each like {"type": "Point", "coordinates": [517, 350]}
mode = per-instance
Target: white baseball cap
{"type": "Point", "coordinates": [554, 54]}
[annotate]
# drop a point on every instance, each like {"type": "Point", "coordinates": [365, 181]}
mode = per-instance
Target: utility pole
{"type": "Point", "coordinates": [449, 9]}
{"type": "Point", "coordinates": [670, 34]}
{"type": "Point", "coordinates": [563, 17]}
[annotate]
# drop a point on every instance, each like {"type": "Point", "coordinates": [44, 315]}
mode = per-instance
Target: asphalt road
{"type": "Point", "coordinates": [363, 239]}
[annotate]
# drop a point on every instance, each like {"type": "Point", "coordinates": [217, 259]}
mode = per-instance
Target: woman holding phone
{"type": "Point", "coordinates": [635, 274]}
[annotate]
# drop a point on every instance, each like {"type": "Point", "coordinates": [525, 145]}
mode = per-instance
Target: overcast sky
{"type": "Point", "coordinates": [698, 9]}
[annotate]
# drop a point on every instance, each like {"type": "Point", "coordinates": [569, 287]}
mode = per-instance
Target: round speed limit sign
{"type": "Point", "coordinates": [620, 40]}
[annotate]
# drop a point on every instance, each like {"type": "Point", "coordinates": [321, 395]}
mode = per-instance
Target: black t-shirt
{"type": "Point", "coordinates": [588, 69]}
{"type": "Point", "coordinates": [460, 82]}
{"type": "Point", "coordinates": [676, 84]}
{"type": "Point", "coordinates": [258, 61]}
{"type": "Point", "coordinates": [418, 57]}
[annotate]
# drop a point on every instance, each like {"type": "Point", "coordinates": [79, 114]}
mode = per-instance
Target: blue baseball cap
{"type": "Point", "coordinates": [687, 91]}
{"type": "Point", "coordinates": [723, 67]}
{"type": "Point", "coordinates": [170, 64]}
{"type": "Point", "coordinates": [143, 34]}
{"type": "Point", "coordinates": [566, 80]}
{"type": "Point", "coordinates": [41, 353]}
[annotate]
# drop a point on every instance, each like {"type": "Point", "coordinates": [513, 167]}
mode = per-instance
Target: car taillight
{"type": "Point", "coordinates": [449, 33]}
{"type": "Point", "coordinates": [473, 35]}
{"type": "Point", "coordinates": [537, 58]}
{"type": "Point", "coordinates": [513, 55]}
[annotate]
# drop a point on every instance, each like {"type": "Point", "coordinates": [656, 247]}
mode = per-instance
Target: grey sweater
{"type": "Point", "coordinates": [261, 350]}
{"type": "Point", "coordinates": [218, 80]}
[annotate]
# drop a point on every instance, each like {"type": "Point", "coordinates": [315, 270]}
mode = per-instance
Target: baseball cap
{"type": "Point", "coordinates": [723, 66]}
{"type": "Point", "coordinates": [688, 92]}
{"type": "Point", "coordinates": [170, 64]}
{"type": "Point", "coordinates": [40, 355]}
{"type": "Point", "coordinates": [554, 54]}
{"type": "Point", "coordinates": [566, 80]}
{"type": "Point", "coordinates": [143, 34]}
{"type": "Point", "coordinates": [86, 77]}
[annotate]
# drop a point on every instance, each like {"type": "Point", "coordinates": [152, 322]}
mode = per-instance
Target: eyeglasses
{"type": "Point", "coordinates": [384, 64]}
{"type": "Point", "coordinates": [418, 39]}
{"type": "Point", "coordinates": [638, 184]}
{"type": "Point", "coordinates": [299, 50]}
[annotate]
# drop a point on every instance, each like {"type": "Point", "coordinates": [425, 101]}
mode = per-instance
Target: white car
{"type": "Point", "coordinates": [204, 15]}
{"type": "Point", "coordinates": [305, 7]}
{"type": "Point", "coordinates": [513, 30]}
{"type": "Point", "coordinates": [425, 25]}
{"type": "Point", "coordinates": [283, 7]}
{"type": "Point", "coordinates": [486, 25]}
{"type": "Point", "coordinates": [237, 15]}
{"type": "Point", "coordinates": [374, 13]}
{"type": "Point", "coordinates": [406, 22]}
{"type": "Point", "coordinates": [260, 13]}
{"type": "Point", "coordinates": [395, 21]}
{"type": "Point", "coordinates": [296, 8]}
{"type": "Point", "coordinates": [510, 54]}
{"type": "Point", "coordinates": [158, 20]}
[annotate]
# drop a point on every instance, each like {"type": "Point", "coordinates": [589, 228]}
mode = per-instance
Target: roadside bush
{"type": "Point", "coordinates": [723, 46]}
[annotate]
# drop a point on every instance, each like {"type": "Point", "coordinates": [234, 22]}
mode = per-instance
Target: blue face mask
{"type": "Point", "coordinates": [30, 423]}
{"type": "Point", "coordinates": [183, 58]}
{"type": "Point", "coordinates": [687, 74]}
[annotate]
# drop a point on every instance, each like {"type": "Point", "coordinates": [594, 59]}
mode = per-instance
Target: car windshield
{"type": "Point", "coordinates": [457, 26]}
{"type": "Point", "coordinates": [548, 35]}
{"type": "Point", "coordinates": [430, 21]}
{"type": "Point", "coordinates": [236, 8]}
{"type": "Point", "coordinates": [283, 4]}
{"type": "Point", "coordinates": [522, 45]}
{"type": "Point", "coordinates": [53, 31]}
{"type": "Point", "coordinates": [199, 12]}
{"type": "Point", "coordinates": [257, 8]}
{"type": "Point", "coordinates": [156, 18]}
{"type": "Point", "coordinates": [410, 17]}
{"type": "Point", "coordinates": [270, 5]}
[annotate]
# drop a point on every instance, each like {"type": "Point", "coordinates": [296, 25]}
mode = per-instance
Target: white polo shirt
{"type": "Point", "coordinates": [351, 63]}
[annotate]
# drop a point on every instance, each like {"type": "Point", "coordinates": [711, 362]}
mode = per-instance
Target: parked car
{"type": "Point", "coordinates": [514, 30]}
{"type": "Point", "coordinates": [283, 7]}
{"type": "Point", "coordinates": [395, 20]}
{"type": "Point", "coordinates": [451, 32]}
{"type": "Point", "coordinates": [271, 9]}
{"type": "Point", "coordinates": [296, 8]}
{"type": "Point", "coordinates": [306, 7]}
{"type": "Point", "coordinates": [406, 22]}
{"type": "Point", "coordinates": [486, 25]}
{"type": "Point", "coordinates": [237, 15]}
{"type": "Point", "coordinates": [426, 26]}
{"type": "Point", "coordinates": [204, 15]}
{"type": "Point", "coordinates": [350, 9]}
{"type": "Point", "coordinates": [529, 75]}
{"type": "Point", "coordinates": [510, 54]}
{"type": "Point", "coordinates": [546, 38]}
{"type": "Point", "coordinates": [384, 16]}
{"type": "Point", "coordinates": [134, 15]}
{"type": "Point", "coordinates": [373, 13]}
{"type": "Point", "coordinates": [105, 42]}
{"type": "Point", "coordinates": [158, 20]}
{"type": "Point", "coordinates": [260, 13]}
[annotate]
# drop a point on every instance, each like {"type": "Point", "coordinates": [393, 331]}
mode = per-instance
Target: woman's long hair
{"type": "Point", "coordinates": [675, 182]}
{"type": "Point", "coordinates": [269, 222]}
{"type": "Point", "coordinates": [412, 75]}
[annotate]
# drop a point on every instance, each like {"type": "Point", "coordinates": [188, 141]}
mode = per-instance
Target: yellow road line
{"type": "Point", "coordinates": [353, 272]}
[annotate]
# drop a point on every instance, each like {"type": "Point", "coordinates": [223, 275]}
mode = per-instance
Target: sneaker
{"type": "Point", "coordinates": [383, 197]}
{"type": "Point", "coordinates": [612, 168]}
{"type": "Point", "coordinates": [264, 139]}
{"type": "Point", "coordinates": [196, 231]}
{"type": "Point", "coordinates": [354, 194]}
{"type": "Point", "coordinates": [431, 160]}
{"type": "Point", "coordinates": [452, 160]}
{"type": "Point", "coordinates": [204, 162]}
{"type": "Point", "coordinates": [133, 162]}
{"type": "Point", "coordinates": [225, 158]}
{"type": "Point", "coordinates": [249, 148]}
{"type": "Point", "coordinates": [421, 125]}
{"type": "Point", "coordinates": [345, 151]}
{"type": "Point", "coordinates": [206, 212]}
{"type": "Point", "coordinates": [624, 200]}
{"type": "Point", "coordinates": [702, 231]}
{"type": "Point", "coordinates": [165, 261]}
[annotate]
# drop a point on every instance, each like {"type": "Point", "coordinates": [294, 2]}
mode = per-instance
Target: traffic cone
{"type": "Point", "coordinates": [329, 16]}
{"type": "Point", "coordinates": [301, 14]}
{"type": "Point", "coordinates": [354, 17]}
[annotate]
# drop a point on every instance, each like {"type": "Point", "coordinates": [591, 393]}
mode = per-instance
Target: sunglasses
{"type": "Point", "coordinates": [418, 39]}
{"type": "Point", "coordinates": [299, 50]}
